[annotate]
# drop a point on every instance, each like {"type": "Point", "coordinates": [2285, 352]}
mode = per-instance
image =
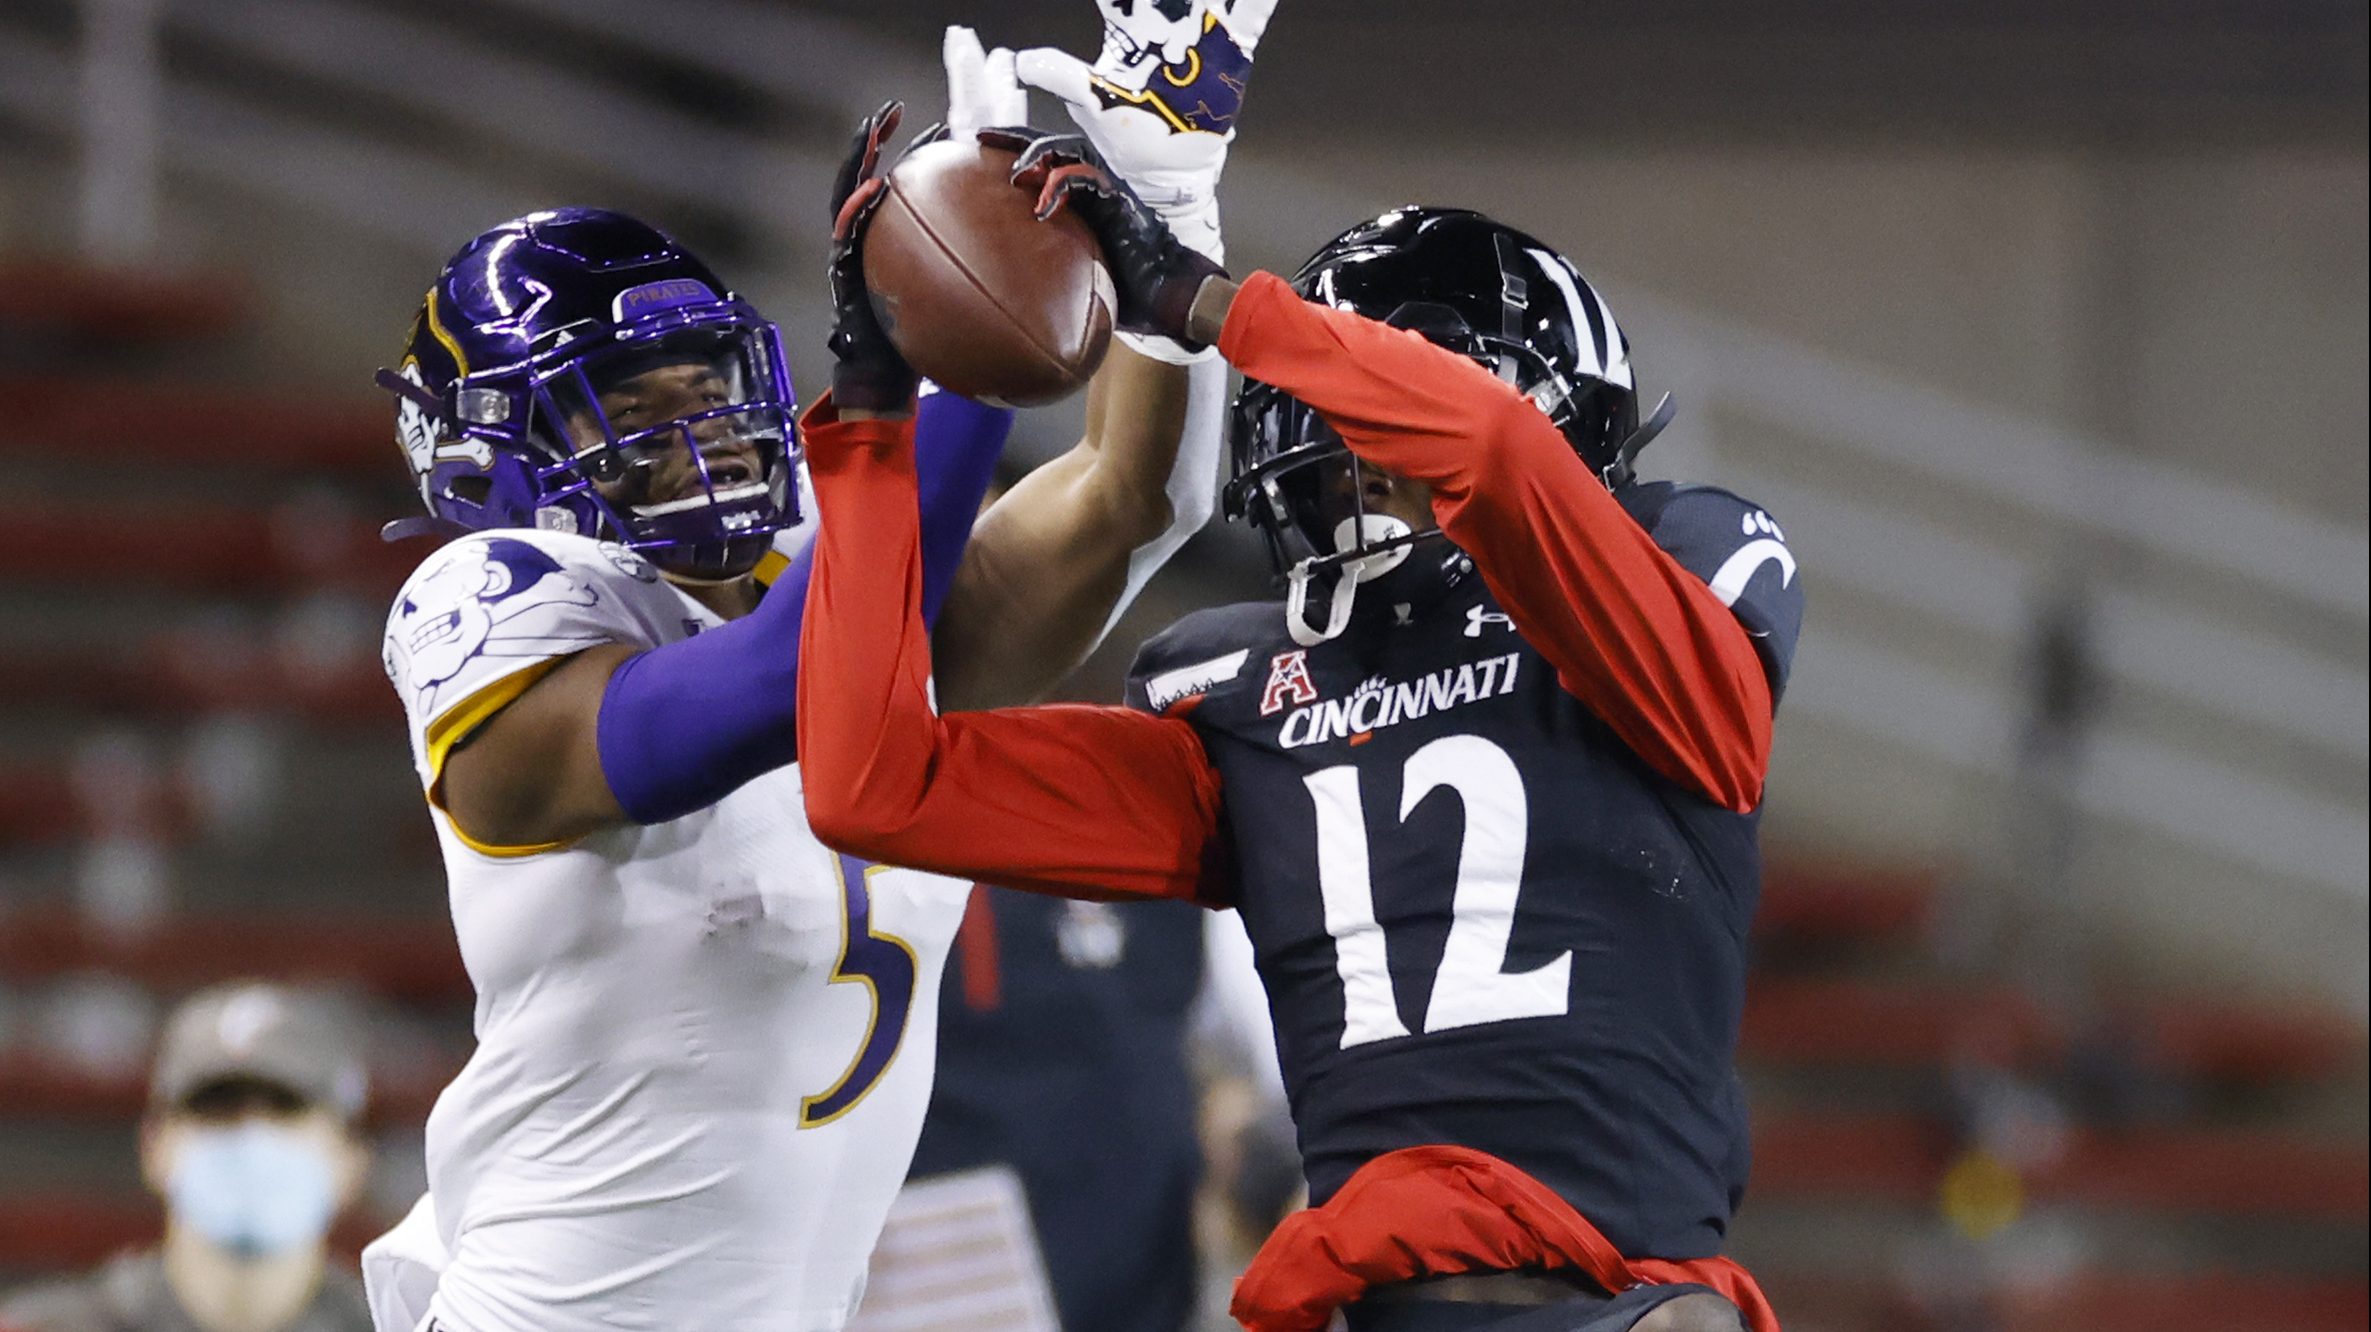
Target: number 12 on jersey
{"type": "Point", "coordinates": [1472, 986]}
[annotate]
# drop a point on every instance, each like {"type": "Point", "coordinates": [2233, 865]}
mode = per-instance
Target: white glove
{"type": "Point", "coordinates": [981, 92]}
{"type": "Point", "coordinates": [1160, 101]}
{"type": "Point", "coordinates": [1195, 476]}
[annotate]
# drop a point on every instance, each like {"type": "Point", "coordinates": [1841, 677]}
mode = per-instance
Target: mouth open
{"type": "Point", "coordinates": [729, 470]}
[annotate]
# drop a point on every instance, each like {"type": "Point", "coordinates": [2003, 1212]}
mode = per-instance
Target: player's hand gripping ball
{"type": "Point", "coordinates": [974, 290]}
{"type": "Point", "coordinates": [1156, 275]}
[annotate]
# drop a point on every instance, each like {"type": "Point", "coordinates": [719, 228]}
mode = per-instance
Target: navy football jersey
{"type": "Point", "coordinates": [1482, 920]}
{"type": "Point", "coordinates": [1072, 1070]}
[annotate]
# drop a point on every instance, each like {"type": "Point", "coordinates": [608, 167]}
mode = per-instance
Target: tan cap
{"type": "Point", "coordinates": [253, 1029]}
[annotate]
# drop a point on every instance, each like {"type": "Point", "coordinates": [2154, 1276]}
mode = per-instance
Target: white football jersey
{"type": "Point", "coordinates": [704, 1046]}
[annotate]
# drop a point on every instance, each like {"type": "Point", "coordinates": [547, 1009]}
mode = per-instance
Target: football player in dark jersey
{"type": "Point", "coordinates": [1484, 788]}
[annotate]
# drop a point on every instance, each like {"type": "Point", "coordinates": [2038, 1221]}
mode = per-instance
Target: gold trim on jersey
{"type": "Point", "coordinates": [493, 852]}
{"type": "Point", "coordinates": [460, 721]}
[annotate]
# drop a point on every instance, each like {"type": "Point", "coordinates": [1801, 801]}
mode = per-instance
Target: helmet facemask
{"type": "Point", "coordinates": [680, 443]}
{"type": "Point", "coordinates": [508, 405]}
{"type": "Point", "coordinates": [1306, 494]}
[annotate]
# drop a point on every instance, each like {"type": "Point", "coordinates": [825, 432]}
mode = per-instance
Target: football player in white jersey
{"type": "Point", "coordinates": [704, 1040]}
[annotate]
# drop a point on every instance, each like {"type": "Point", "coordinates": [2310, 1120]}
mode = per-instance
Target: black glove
{"type": "Point", "coordinates": [871, 375]}
{"type": "Point", "coordinates": [1156, 274]}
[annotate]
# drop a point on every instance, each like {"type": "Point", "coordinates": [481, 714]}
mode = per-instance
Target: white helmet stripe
{"type": "Point", "coordinates": [1612, 360]}
{"type": "Point", "coordinates": [1617, 370]}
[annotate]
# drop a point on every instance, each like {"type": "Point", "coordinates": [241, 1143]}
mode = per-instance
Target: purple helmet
{"type": "Point", "coordinates": [578, 370]}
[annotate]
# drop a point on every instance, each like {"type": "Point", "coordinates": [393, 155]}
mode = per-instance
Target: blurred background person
{"type": "Point", "coordinates": [1064, 1058]}
{"type": "Point", "coordinates": [1087, 1049]}
{"type": "Point", "coordinates": [251, 1140]}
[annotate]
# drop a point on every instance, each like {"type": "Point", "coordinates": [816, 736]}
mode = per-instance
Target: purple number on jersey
{"type": "Point", "coordinates": [885, 965]}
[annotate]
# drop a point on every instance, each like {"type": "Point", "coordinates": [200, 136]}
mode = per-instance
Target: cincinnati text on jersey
{"type": "Point", "coordinates": [1379, 703]}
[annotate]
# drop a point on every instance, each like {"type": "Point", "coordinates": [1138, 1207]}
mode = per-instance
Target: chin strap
{"type": "Point", "coordinates": [1296, 603]}
{"type": "Point", "coordinates": [1354, 533]}
{"type": "Point", "coordinates": [685, 578]}
{"type": "Point", "coordinates": [1620, 472]}
{"type": "Point", "coordinates": [417, 393]}
{"type": "Point", "coordinates": [421, 525]}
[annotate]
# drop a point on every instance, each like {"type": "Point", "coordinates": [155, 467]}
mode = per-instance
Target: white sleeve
{"type": "Point", "coordinates": [400, 1270]}
{"type": "Point", "coordinates": [486, 616]}
{"type": "Point", "coordinates": [1193, 480]}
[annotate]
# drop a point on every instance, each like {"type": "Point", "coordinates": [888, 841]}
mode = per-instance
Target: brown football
{"type": "Point", "coordinates": [976, 292]}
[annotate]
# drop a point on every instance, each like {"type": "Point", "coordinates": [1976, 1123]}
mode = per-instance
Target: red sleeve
{"type": "Point", "coordinates": [1071, 800]}
{"type": "Point", "coordinates": [1634, 635]}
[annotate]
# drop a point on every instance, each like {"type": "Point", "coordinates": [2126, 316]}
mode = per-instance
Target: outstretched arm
{"type": "Point", "coordinates": [683, 726]}
{"type": "Point", "coordinates": [1076, 801]}
{"type": "Point", "coordinates": [1053, 562]}
{"type": "Point", "coordinates": [1631, 632]}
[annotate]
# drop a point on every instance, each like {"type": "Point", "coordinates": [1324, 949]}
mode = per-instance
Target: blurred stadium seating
{"type": "Point", "coordinates": [202, 774]}
{"type": "Point", "coordinates": [193, 684]}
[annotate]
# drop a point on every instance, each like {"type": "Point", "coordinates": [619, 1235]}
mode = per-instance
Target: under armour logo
{"type": "Point", "coordinates": [1477, 616]}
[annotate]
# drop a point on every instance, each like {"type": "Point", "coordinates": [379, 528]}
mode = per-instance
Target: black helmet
{"type": "Point", "coordinates": [1473, 285]}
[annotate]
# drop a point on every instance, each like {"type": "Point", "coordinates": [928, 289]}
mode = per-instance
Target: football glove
{"type": "Point", "coordinates": [869, 374]}
{"type": "Point", "coordinates": [1155, 274]}
{"type": "Point", "coordinates": [1161, 100]}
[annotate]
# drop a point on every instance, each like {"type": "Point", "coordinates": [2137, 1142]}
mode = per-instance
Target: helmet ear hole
{"type": "Point", "coordinates": [475, 490]}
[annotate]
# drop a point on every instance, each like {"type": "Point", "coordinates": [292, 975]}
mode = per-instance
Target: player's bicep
{"type": "Point", "coordinates": [523, 774]}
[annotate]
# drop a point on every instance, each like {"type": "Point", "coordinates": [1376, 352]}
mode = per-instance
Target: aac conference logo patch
{"type": "Point", "coordinates": [1288, 683]}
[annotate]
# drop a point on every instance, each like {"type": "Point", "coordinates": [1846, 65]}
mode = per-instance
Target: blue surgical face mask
{"type": "Point", "coordinates": [256, 1189]}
